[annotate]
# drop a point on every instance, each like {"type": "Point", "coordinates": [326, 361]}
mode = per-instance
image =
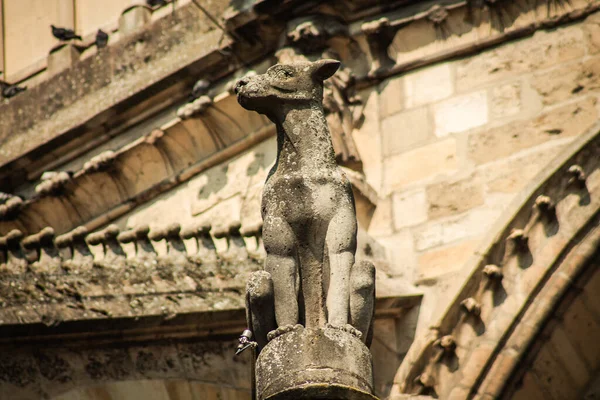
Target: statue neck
{"type": "Point", "coordinates": [303, 139]}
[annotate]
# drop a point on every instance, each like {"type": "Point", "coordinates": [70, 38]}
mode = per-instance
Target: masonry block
{"type": "Point", "coordinates": [500, 142]}
{"type": "Point", "coordinates": [419, 164]}
{"type": "Point", "coordinates": [505, 100]}
{"type": "Point", "coordinates": [453, 198]}
{"type": "Point", "coordinates": [391, 96]}
{"type": "Point", "coordinates": [428, 85]}
{"type": "Point", "coordinates": [543, 50]}
{"type": "Point", "coordinates": [461, 113]}
{"type": "Point", "coordinates": [405, 130]}
{"type": "Point", "coordinates": [568, 81]}
{"type": "Point", "coordinates": [409, 208]}
{"type": "Point", "coordinates": [133, 18]}
{"type": "Point", "coordinates": [438, 262]}
{"type": "Point", "coordinates": [591, 28]}
{"type": "Point", "coordinates": [438, 233]}
{"type": "Point", "coordinates": [62, 57]}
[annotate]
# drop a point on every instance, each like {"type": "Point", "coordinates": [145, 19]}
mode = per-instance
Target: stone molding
{"type": "Point", "coordinates": [534, 244]}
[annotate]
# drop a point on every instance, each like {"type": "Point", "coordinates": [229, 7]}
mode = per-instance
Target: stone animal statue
{"type": "Point", "coordinates": [309, 220]}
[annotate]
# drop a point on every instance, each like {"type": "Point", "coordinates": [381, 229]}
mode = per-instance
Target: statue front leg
{"type": "Point", "coordinates": [341, 245]}
{"type": "Point", "coordinates": [281, 262]}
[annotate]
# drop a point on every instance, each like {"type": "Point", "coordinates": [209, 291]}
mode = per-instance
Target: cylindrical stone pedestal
{"type": "Point", "coordinates": [322, 363]}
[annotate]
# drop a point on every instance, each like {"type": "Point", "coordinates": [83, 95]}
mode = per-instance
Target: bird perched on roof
{"type": "Point", "coordinates": [101, 39]}
{"type": "Point", "coordinates": [64, 34]}
{"type": "Point", "coordinates": [9, 90]}
{"type": "Point", "coordinates": [200, 89]}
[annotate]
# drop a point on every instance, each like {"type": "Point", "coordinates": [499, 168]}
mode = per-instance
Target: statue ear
{"type": "Point", "coordinates": [323, 69]}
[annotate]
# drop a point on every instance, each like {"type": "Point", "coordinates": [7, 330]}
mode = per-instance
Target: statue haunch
{"type": "Point", "coordinates": [309, 228]}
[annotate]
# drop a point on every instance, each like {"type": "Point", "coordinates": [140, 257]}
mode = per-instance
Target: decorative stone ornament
{"type": "Point", "coordinates": [310, 311]}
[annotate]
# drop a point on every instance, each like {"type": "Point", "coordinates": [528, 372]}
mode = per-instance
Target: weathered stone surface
{"type": "Point", "coordinates": [285, 369]}
{"type": "Point", "coordinates": [513, 174]}
{"type": "Point", "coordinates": [307, 204]}
{"type": "Point", "coordinates": [460, 113]}
{"type": "Point", "coordinates": [441, 261]}
{"type": "Point", "coordinates": [391, 96]}
{"type": "Point", "coordinates": [591, 28]}
{"type": "Point", "coordinates": [409, 208]}
{"type": "Point", "coordinates": [543, 50]}
{"type": "Point", "coordinates": [438, 233]}
{"type": "Point", "coordinates": [505, 100]}
{"type": "Point", "coordinates": [428, 85]}
{"type": "Point", "coordinates": [405, 130]}
{"type": "Point", "coordinates": [368, 139]}
{"type": "Point", "coordinates": [382, 222]}
{"type": "Point", "coordinates": [420, 164]}
{"type": "Point", "coordinates": [569, 120]}
{"type": "Point", "coordinates": [568, 81]}
{"type": "Point", "coordinates": [453, 198]}
{"type": "Point", "coordinates": [402, 258]}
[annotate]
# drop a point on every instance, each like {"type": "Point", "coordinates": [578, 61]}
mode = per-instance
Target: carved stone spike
{"type": "Point", "coordinates": [3, 255]}
{"type": "Point", "coordinates": [437, 14]}
{"type": "Point", "coordinates": [493, 272]}
{"type": "Point", "coordinates": [311, 33]}
{"type": "Point", "coordinates": [379, 35]}
{"type": "Point", "coordinates": [307, 209]}
{"type": "Point", "coordinates": [10, 209]}
{"type": "Point", "coordinates": [471, 306]}
{"type": "Point", "coordinates": [171, 234]}
{"type": "Point", "coordinates": [80, 256]}
{"type": "Point", "coordinates": [254, 246]}
{"type": "Point", "coordinates": [114, 255]}
{"type": "Point", "coordinates": [16, 261]}
{"type": "Point", "coordinates": [236, 247]}
{"type": "Point", "coordinates": [518, 241]}
{"type": "Point", "coordinates": [48, 258]}
{"type": "Point", "coordinates": [196, 107]}
{"type": "Point", "coordinates": [446, 344]}
{"type": "Point", "coordinates": [425, 383]}
{"type": "Point", "coordinates": [207, 251]}
{"type": "Point", "coordinates": [101, 162]}
{"type": "Point", "coordinates": [546, 209]}
{"type": "Point", "coordinates": [577, 176]}
{"type": "Point", "coordinates": [52, 183]}
{"type": "Point", "coordinates": [139, 237]}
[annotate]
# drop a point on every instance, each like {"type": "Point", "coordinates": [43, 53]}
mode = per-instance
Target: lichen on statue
{"type": "Point", "coordinates": [310, 277]}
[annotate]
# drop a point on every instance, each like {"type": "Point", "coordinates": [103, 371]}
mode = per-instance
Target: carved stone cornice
{"type": "Point", "coordinates": [179, 149]}
{"type": "Point", "coordinates": [525, 259]}
{"type": "Point", "coordinates": [459, 28]}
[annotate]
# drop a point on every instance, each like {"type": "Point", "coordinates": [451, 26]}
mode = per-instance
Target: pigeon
{"type": "Point", "coordinates": [9, 90]}
{"type": "Point", "coordinates": [155, 3]}
{"type": "Point", "coordinates": [200, 88]}
{"type": "Point", "coordinates": [64, 34]}
{"type": "Point", "coordinates": [101, 39]}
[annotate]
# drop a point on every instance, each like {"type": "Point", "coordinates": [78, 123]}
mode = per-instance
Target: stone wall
{"type": "Point", "coordinates": [450, 145]}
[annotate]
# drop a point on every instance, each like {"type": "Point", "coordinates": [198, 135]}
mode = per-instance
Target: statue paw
{"type": "Point", "coordinates": [346, 328]}
{"type": "Point", "coordinates": [281, 330]}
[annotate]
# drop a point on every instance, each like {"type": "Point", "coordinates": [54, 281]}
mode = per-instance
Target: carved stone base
{"type": "Point", "coordinates": [315, 364]}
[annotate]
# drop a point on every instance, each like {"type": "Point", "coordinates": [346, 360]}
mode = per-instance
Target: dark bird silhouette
{"type": "Point", "coordinates": [101, 39]}
{"type": "Point", "coordinates": [64, 34]}
{"type": "Point", "coordinates": [156, 3]}
{"type": "Point", "coordinates": [9, 90]}
{"type": "Point", "coordinates": [200, 88]}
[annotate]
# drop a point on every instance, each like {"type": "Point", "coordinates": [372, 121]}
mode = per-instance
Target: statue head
{"type": "Point", "coordinates": [284, 85]}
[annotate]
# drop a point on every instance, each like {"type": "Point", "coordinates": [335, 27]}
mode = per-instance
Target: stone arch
{"type": "Point", "coordinates": [525, 273]}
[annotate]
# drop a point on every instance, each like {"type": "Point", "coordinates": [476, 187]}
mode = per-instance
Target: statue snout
{"type": "Point", "coordinates": [241, 83]}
